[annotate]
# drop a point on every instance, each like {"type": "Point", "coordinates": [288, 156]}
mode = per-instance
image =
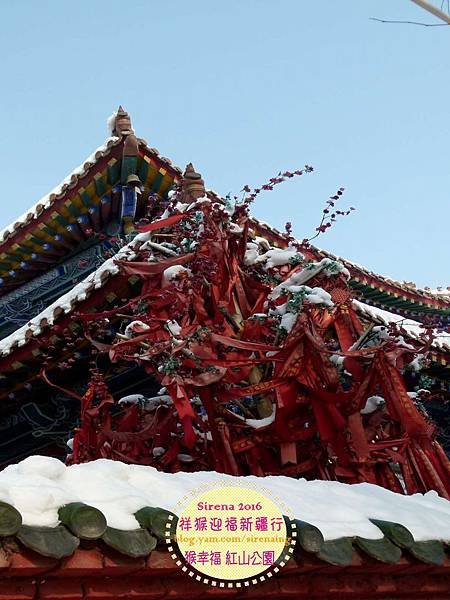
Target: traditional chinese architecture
{"type": "Point", "coordinates": [153, 322]}
{"type": "Point", "coordinates": [81, 553]}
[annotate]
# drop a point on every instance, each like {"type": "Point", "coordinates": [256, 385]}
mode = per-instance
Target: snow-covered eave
{"type": "Point", "coordinates": [45, 203]}
{"type": "Point", "coordinates": [439, 297]}
{"type": "Point", "coordinates": [154, 153]}
{"type": "Point", "coordinates": [413, 329]}
{"type": "Point", "coordinates": [68, 301]}
{"type": "Point", "coordinates": [39, 485]}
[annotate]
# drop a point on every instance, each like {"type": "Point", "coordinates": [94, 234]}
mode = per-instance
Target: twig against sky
{"type": "Point", "coordinates": [410, 22]}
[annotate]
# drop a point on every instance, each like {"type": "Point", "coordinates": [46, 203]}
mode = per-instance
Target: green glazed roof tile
{"type": "Point", "coordinates": [80, 521]}
{"type": "Point", "coordinates": [135, 543]}
{"type": "Point", "coordinates": [86, 522]}
{"type": "Point", "coordinates": [155, 520]}
{"type": "Point", "coordinates": [382, 550]}
{"type": "Point", "coordinates": [10, 519]}
{"type": "Point", "coordinates": [430, 552]}
{"type": "Point", "coordinates": [309, 537]}
{"type": "Point", "coordinates": [397, 533]}
{"type": "Point", "coordinates": [55, 542]}
{"type": "Point", "coordinates": [337, 552]}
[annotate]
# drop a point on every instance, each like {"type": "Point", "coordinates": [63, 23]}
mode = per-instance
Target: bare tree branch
{"type": "Point", "coordinates": [410, 22]}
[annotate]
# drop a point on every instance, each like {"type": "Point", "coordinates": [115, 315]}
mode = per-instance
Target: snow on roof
{"type": "Point", "coordinates": [414, 329]}
{"type": "Point", "coordinates": [439, 293]}
{"type": "Point", "coordinates": [71, 180]}
{"type": "Point", "coordinates": [68, 181]}
{"type": "Point", "coordinates": [66, 302]}
{"type": "Point", "coordinates": [404, 285]}
{"type": "Point", "coordinates": [38, 486]}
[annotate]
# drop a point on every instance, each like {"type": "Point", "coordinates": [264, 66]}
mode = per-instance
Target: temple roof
{"type": "Point", "coordinates": [80, 205]}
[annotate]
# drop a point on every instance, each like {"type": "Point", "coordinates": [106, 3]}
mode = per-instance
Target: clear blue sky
{"type": "Point", "coordinates": [245, 88]}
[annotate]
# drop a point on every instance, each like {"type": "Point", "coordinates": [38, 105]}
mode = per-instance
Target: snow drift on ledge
{"type": "Point", "coordinates": [39, 485]}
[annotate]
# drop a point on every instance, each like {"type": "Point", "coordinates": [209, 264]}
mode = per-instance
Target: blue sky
{"type": "Point", "coordinates": [244, 89]}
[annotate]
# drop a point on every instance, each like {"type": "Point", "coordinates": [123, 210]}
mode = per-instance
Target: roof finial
{"type": "Point", "coordinates": [193, 185]}
{"type": "Point", "coordinates": [122, 123]}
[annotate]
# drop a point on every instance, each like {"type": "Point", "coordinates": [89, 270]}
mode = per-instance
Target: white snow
{"type": "Point", "coordinates": [171, 272]}
{"type": "Point", "coordinates": [337, 360]}
{"type": "Point", "coordinates": [39, 485]}
{"type": "Point", "coordinates": [329, 267]}
{"type": "Point", "coordinates": [309, 295]}
{"type": "Point", "coordinates": [135, 328]}
{"type": "Point", "coordinates": [277, 257]}
{"type": "Point", "coordinates": [316, 295]}
{"type": "Point", "coordinates": [154, 402]}
{"type": "Point", "coordinates": [158, 451]}
{"type": "Point", "coordinates": [295, 280]}
{"type": "Point", "coordinates": [417, 363]}
{"type": "Point", "coordinates": [271, 256]}
{"type": "Point", "coordinates": [288, 321]}
{"type": "Point", "coordinates": [185, 458]}
{"type": "Point", "coordinates": [439, 291]}
{"type": "Point", "coordinates": [149, 404]}
{"type": "Point", "coordinates": [258, 423]}
{"type": "Point", "coordinates": [236, 229]}
{"type": "Point", "coordinates": [160, 247]}
{"type": "Point", "coordinates": [413, 329]}
{"type": "Point", "coordinates": [132, 399]}
{"type": "Point", "coordinates": [174, 328]}
{"type": "Point", "coordinates": [263, 242]}
{"type": "Point", "coordinates": [372, 404]}
{"type": "Point", "coordinates": [111, 122]}
{"type": "Point", "coordinates": [251, 254]}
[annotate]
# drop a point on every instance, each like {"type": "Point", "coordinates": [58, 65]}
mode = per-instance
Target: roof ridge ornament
{"type": "Point", "coordinates": [193, 186]}
{"type": "Point", "coordinates": [120, 123]}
